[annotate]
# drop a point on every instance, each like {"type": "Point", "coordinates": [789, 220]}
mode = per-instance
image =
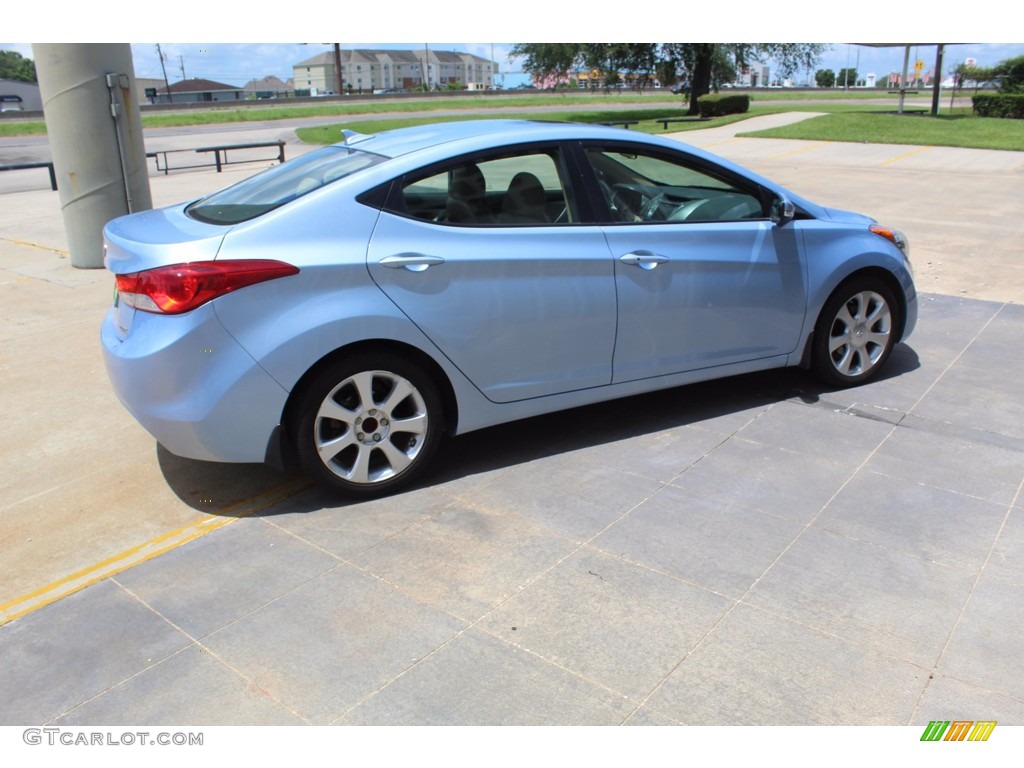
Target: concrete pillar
{"type": "Point", "coordinates": [95, 134]}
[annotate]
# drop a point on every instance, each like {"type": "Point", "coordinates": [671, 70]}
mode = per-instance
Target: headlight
{"type": "Point", "coordinates": [894, 236]}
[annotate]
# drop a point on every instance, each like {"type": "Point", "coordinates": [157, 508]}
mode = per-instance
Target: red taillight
{"type": "Point", "coordinates": [181, 288]}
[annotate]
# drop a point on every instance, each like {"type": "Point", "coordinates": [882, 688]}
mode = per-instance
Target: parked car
{"type": "Point", "coordinates": [353, 305]}
{"type": "Point", "coordinates": [680, 88]}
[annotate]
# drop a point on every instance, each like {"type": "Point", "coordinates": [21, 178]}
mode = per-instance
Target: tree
{"type": "Point", "coordinates": [978, 75]}
{"type": "Point", "coordinates": [698, 63]}
{"type": "Point", "coordinates": [13, 66]}
{"type": "Point", "coordinates": [847, 77]}
{"type": "Point", "coordinates": [1009, 74]}
{"type": "Point", "coordinates": [706, 66]}
{"type": "Point", "coordinates": [825, 78]}
{"type": "Point", "coordinates": [551, 64]}
{"type": "Point", "coordinates": [1012, 73]}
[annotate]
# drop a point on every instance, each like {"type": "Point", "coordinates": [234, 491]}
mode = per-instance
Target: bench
{"type": "Point", "coordinates": [666, 120]}
{"type": "Point", "coordinates": [906, 111]}
{"type": "Point", "coordinates": [624, 123]}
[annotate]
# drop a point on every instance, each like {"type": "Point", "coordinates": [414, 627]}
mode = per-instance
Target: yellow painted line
{"type": "Point", "coordinates": [136, 555]}
{"type": "Point", "coordinates": [35, 245]}
{"type": "Point", "coordinates": [917, 151]}
{"type": "Point", "coordinates": [801, 149]}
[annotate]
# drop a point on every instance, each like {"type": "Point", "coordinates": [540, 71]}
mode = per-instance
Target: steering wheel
{"type": "Point", "coordinates": [652, 207]}
{"type": "Point", "coordinates": [626, 202]}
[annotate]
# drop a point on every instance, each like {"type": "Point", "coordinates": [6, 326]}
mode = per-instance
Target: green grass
{"type": "Point", "coordinates": [218, 115]}
{"type": "Point", "coordinates": [22, 128]}
{"type": "Point", "coordinates": [364, 106]}
{"type": "Point", "coordinates": [857, 123]}
{"type": "Point", "coordinates": [945, 130]}
{"type": "Point", "coordinates": [329, 134]}
{"type": "Point", "coordinates": [369, 107]}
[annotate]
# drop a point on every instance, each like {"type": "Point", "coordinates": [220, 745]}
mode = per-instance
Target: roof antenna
{"type": "Point", "coordinates": [351, 137]}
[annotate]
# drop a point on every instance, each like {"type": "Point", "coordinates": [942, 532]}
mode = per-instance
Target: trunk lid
{"type": "Point", "coordinates": [157, 238]}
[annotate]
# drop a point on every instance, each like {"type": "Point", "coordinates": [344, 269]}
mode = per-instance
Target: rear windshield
{"type": "Point", "coordinates": [280, 184]}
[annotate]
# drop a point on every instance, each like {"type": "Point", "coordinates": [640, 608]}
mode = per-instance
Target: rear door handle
{"type": "Point", "coordinates": [643, 259]}
{"type": "Point", "coordinates": [414, 262]}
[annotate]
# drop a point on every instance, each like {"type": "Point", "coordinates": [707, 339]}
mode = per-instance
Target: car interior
{"type": "Point", "coordinates": [527, 190]}
{"type": "Point", "coordinates": [523, 190]}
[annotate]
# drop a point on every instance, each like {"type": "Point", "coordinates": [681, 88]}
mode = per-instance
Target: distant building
{"type": "Point", "coordinates": [595, 78]}
{"type": "Point", "coordinates": [269, 87]}
{"type": "Point", "coordinates": [21, 94]}
{"type": "Point", "coordinates": [754, 75]}
{"type": "Point", "coordinates": [366, 70]}
{"type": "Point", "coordinates": [146, 89]}
{"type": "Point", "coordinates": [198, 90]}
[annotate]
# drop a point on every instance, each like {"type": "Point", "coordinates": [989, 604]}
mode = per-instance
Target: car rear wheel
{"type": "Point", "coordinates": [368, 425]}
{"type": "Point", "coordinates": [856, 332]}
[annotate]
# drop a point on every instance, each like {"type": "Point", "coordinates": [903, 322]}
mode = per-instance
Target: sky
{"type": "Point", "coordinates": [250, 49]}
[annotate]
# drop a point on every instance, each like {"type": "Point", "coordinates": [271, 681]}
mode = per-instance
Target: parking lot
{"type": "Point", "coordinates": [755, 551]}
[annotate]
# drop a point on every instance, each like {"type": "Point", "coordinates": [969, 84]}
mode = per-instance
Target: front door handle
{"type": "Point", "coordinates": [414, 262]}
{"type": "Point", "coordinates": [643, 259]}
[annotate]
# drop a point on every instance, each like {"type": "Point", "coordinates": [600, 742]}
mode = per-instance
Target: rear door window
{"type": "Point", "coordinates": [524, 188]}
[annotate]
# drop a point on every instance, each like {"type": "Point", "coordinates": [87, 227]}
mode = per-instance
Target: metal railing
{"type": "Point", "coordinates": [25, 166]}
{"type": "Point", "coordinates": [220, 156]}
{"type": "Point", "coordinates": [220, 159]}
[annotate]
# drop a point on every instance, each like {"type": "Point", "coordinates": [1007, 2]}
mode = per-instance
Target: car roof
{"type": "Point", "coordinates": [474, 133]}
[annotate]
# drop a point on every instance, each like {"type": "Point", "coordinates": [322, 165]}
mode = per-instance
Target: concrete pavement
{"type": "Point", "coordinates": [753, 551]}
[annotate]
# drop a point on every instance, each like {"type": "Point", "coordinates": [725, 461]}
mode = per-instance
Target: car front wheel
{"type": "Point", "coordinates": [855, 333]}
{"type": "Point", "coordinates": [368, 425]}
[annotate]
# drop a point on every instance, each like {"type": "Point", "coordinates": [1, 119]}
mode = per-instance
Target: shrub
{"type": "Point", "coordinates": [718, 104]}
{"type": "Point", "coordinates": [1008, 105]}
{"type": "Point", "coordinates": [1012, 71]}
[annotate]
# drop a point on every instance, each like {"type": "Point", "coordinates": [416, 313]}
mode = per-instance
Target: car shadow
{"type": "Point", "coordinates": [252, 489]}
{"type": "Point", "coordinates": [588, 426]}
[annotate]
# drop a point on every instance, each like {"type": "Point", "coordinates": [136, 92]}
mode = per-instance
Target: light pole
{"type": "Point", "coordinates": [337, 69]}
{"type": "Point", "coordinates": [95, 133]}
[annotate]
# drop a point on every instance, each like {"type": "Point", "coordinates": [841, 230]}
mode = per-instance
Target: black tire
{"type": "Point", "coordinates": [368, 425]}
{"type": "Point", "coordinates": [855, 333]}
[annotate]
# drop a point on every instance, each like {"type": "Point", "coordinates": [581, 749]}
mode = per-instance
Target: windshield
{"type": "Point", "coordinates": [280, 184]}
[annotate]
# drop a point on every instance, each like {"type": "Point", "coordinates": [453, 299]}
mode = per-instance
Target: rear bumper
{"type": "Point", "coordinates": [192, 387]}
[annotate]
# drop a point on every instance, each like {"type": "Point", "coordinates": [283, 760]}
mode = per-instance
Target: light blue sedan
{"type": "Point", "coordinates": [351, 307]}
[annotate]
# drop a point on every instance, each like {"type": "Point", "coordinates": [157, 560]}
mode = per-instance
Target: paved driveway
{"type": "Point", "coordinates": [754, 551]}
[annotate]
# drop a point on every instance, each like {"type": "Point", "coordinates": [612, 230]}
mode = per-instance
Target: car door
{"type": "Point", "coordinates": [487, 256]}
{"type": "Point", "coordinates": [703, 277]}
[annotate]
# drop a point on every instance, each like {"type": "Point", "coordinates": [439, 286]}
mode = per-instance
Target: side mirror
{"type": "Point", "coordinates": [782, 211]}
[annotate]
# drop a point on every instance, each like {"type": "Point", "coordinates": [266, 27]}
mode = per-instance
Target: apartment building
{"type": "Point", "coordinates": [367, 70]}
